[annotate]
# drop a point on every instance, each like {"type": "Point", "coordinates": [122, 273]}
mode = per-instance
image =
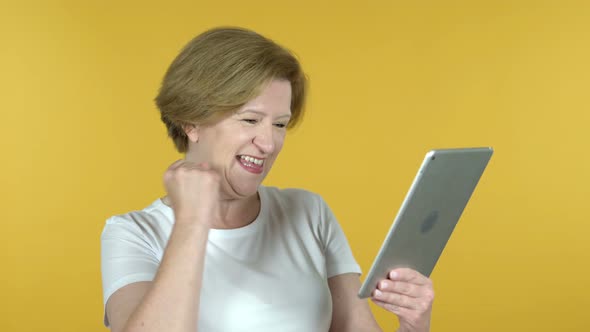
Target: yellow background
{"type": "Point", "coordinates": [81, 140]}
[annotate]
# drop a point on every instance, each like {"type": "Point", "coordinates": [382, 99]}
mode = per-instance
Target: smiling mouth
{"type": "Point", "coordinates": [251, 160]}
{"type": "Point", "coordinates": [251, 164]}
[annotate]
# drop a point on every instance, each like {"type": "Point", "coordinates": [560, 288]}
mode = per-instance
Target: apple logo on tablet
{"type": "Point", "coordinates": [429, 222]}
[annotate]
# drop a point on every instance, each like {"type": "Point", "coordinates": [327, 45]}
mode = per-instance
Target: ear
{"type": "Point", "coordinates": [192, 132]}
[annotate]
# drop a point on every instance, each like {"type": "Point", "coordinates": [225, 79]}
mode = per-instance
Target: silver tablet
{"type": "Point", "coordinates": [429, 213]}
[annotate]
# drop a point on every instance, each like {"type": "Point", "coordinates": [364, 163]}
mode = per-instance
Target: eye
{"type": "Point", "coordinates": [280, 125]}
{"type": "Point", "coordinates": [250, 121]}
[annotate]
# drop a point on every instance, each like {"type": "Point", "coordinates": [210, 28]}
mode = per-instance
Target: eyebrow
{"type": "Point", "coordinates": [288, 115]}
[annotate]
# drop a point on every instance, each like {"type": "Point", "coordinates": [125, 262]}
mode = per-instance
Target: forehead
{"type": "Point", "coordinates": [275, 97]}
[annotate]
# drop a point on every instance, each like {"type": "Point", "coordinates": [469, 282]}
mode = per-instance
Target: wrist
{"type": "Point", "coordinates": [191, 223]}
{"type": "Point", "coordinates": [413, 329]}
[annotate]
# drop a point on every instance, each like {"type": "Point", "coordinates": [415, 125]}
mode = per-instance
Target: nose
{"type": "Point", "coordinates": [264, 139]}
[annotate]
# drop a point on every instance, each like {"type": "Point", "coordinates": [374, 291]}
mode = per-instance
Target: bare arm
{"type": "Point", "coordinates": [349, 313]}
{"type": "Point", "coordinates": [171, 301]}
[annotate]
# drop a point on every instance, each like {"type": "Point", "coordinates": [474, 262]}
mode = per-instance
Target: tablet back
{"type": "Point", "coordinates": [429, 213]}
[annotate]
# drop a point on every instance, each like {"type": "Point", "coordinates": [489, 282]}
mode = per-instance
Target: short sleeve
{"type": "Point", "coordinates": [126, 257]}
{"type": "Point", "coordinates": [339, 257]}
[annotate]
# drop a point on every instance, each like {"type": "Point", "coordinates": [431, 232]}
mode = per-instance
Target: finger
{"type": "Point", "coordinates": [401, 287]}
{"type": "Point", "coordinates": [395, 299]}
{"type": "Point", "coordinates": [408, 275]}
{"type": "Point", "coordinates": [205, 166]}
{"type": "Point", "coordinates": [202, 166]}
{"type": "Point", "coordinates": [408, 317]}
{"type": "Point", "coordinates": [176, 164]}
{"type": "Point", "coordinates": [399, 311]}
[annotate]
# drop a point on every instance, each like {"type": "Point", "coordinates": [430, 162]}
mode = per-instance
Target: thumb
{"type": "Point", "coordinates": [205, 166]}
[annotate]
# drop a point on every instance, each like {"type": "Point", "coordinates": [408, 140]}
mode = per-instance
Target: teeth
{"type": "Point", "coordinates": [252, 160]}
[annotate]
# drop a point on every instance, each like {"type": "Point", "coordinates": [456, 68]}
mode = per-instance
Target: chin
{"type": "Point", "coordinates": [241, 190]}
{"type": "Point", "coordinates": [247, 191]}
{"type": "Point", "coordinates": [239, 186]}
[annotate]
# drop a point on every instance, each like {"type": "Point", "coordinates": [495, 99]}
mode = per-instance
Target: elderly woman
{"type": "Point", "coordinates": [221, 252]}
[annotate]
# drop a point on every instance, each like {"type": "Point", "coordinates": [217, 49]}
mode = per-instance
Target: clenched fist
{"type": "Point", "coordinates": [193, 192]}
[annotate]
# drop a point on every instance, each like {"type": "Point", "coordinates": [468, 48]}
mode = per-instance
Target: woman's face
{"type": "Point", "coordinates": [244, 146]}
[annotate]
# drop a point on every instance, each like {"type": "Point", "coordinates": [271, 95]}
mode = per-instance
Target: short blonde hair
{"type": "Point", "coordinates": [218, 72]}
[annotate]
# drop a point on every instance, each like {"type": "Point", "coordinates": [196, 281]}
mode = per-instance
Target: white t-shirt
{"type": "Point", "coordinates": [270, 275]}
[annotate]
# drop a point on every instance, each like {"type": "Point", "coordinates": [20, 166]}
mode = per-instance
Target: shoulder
{"type": "Point", "coordinates": [152, 222]}
{"type": "Point", "coordinates": [293, 197]}
{"type": "Point", "coordinates": [297, 205]}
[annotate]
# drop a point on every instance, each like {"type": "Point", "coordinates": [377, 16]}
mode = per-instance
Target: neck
{"type": "Point", "coordinates": [236, 213]}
